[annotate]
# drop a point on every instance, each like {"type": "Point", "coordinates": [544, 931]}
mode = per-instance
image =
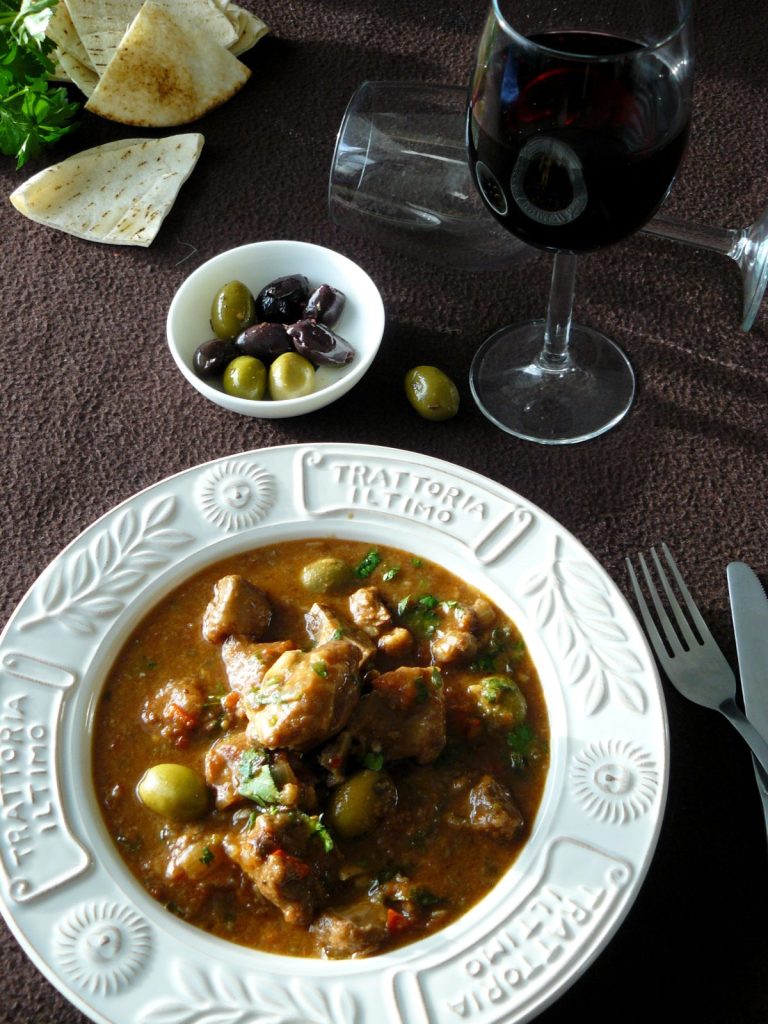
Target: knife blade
{"type": "Point", "coordinates": [749, 611]}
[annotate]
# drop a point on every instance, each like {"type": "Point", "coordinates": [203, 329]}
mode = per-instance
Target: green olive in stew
{"type": "Point", "coordinates": [321, 748]}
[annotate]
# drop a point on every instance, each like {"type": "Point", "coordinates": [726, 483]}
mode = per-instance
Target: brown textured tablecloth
{"type": "Point", "coordinates": [93, 409]}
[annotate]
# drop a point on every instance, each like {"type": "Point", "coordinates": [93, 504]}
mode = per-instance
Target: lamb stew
{"type": "Point", "coordinates": [321, 748]}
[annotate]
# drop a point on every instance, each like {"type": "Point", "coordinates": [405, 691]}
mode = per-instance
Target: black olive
{"type": "Point", "coordinates": [320, 344]}
{"type": "Point", "coordinates": [265, 341]}
{"type": "Point", "coordinates": [212, 357]}
{"type": "Point", "coordinates": [325, 304]}
{"type": "Point", "coordinates": [282, 301]}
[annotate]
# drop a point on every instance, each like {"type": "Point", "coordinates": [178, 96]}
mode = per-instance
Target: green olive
{"type": "Point", "coordinates": [359, 803]}
{"type": "Point", "coordinates": [431, 393]}
{"type": "Point", "coordinates": [232, 310]}
{"type": "Point", "coordinates": [246, 377]}
{"type": "Point", "coordinates": [500, 700]}
{"type": "Point", "coordinates": [173, 791]}
{"type": "Point", "coordinates": [325, 574]}
{"type": "Point", "coordinates": [291, 376]}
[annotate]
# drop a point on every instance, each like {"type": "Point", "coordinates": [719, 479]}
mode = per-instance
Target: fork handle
{"type": "Point", "coordinates": [748, 732]}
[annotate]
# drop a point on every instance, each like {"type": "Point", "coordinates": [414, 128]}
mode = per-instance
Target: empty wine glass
{"type": "Point", "coordinates": [748, 247]}
{"type": "Point", "coordinates": [578, 118]}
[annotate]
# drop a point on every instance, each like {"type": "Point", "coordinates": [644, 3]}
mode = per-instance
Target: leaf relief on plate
{"type": "Point", "coordinates": [223, 997]}
{"type": "Point", "coordinates": [571, 602]}
{"type": "Point", "coordinates": [89, 586]}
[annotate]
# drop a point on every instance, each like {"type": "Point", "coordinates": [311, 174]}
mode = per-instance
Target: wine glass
{"type": "Point", "coordinates": [747, 247]}
{"type": "Point", "coordinates": [577, 120]}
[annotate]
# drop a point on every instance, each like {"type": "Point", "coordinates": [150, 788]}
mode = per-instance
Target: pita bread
{"type": "Point", "coordinates": [61, 29]}
{"type": "Point", "coordinates": [250, 29]}
{"type": "Point", "coordinates": [101, 24]}
{"type": "Point", "coordinates": [165, 72]}
{"type": "Point", "coordinates": [117, 193]}
{"type": "Point", "coordinates": [84, 77]}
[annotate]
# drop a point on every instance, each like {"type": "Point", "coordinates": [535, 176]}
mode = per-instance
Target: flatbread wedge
{"type": "Point", "coordinates": [117, 193]}
{"type": "Point", "coordinates": [165, 72]}
{"type": "Point", "coordinates": [101, 24]}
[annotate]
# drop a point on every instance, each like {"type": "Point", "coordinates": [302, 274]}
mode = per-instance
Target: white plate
{"type": "Point", "coordinates": [120, 957]}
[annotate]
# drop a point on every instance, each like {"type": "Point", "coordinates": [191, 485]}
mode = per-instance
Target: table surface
{"type": "Point", "coordinates": [93, 410]}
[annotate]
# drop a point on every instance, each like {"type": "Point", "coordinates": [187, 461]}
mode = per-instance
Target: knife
{"type": "Point", "coordinates": [749, 610]}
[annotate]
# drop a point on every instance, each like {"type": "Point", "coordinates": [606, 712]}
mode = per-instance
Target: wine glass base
{"type": "Point", "coordinates": [588, 394]}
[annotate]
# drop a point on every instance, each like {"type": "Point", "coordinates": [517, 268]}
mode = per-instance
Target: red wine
{"type": "Point", "coordinates": [572, 154]}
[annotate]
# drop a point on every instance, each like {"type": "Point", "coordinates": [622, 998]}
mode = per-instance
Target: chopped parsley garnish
{"type": "Point", "coordinates": [501, 654]}
{"type": "Point", "coordinates": [524, 746]}
{"type": "Point", "coordinates": [337, 634]}
{"type": "Point", "coordinates": [374, 760]}
{"type": "Point", "coordinates": [206, 857]}
{"type": "Point", "coordinates": [368, 564]}
{"type": "Point", "coordinates": [317, 828]}
{"type": "Point", "coordinates": [389, 574]}
{"type": "Point", "coordinates": [320, 668]}
{"type": "Point", "coordinates": [420, 616]}
{"type": "Point", "coordinates": [256, 782]}
{"type": "Point", "coordinates": [422, 693]}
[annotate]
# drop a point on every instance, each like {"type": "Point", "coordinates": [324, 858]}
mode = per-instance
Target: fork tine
{"type": "Point", "coordinates": [690, 604]}
{"type": "Point", "coordinates": [683, 625]}
{"type": "Point", "coordinates": [645, 612]}
{"type": "Point", "coordinates": [670, 634]}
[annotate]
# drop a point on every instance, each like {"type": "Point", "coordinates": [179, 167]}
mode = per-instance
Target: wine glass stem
{"type": "Point", "coordinates": [724, 240]}
{"type": "Point", "coordinates": [555, 354]}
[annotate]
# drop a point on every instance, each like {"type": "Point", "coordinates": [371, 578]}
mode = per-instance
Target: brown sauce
{"type": "Point", "coordinates": [290, 875]}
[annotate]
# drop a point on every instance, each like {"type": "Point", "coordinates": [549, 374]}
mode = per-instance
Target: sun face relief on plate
{"type": "Point", "coordinates": [506, 958]}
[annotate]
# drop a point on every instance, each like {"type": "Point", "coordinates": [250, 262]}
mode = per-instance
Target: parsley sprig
{"type": "Point", "coordinates": [32, 114]}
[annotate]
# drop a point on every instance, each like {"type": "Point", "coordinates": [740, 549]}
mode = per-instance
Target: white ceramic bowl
{"type": "Point", "coordinates": [256, 264]}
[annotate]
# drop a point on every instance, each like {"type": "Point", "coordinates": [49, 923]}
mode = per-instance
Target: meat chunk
{"type": "Point", "coordinates": [488, 806]}
{"type": "Point", "coordinates": [403, 716]}
{"type": "Point", "coordinates": [396, 643]}
{"type": "Point", "coordinates": [324, 625]}
{"type": "Point", "coordinates": [198, 857]}
{"type": "Point", "coordinates": [453, 645]}
{"type": "Point", "coordinates": [237, 608]}
{"type": "Point", "coordinates": [369, 612]}
{"type": "Point", "coordinates": [287, 862]}
{"type": "Point", "coordinates": [222, 763]}
{"type": "Point", "coordinates": [351, 931]}
{"type": "Point", "coordinates": [305, 697]}
{"type": "Point", "coordinates": [176, 710]}
{"type": "Point", "coordinates": [247, 662]}
{"type": "Point", "coordinates": [457, 638]}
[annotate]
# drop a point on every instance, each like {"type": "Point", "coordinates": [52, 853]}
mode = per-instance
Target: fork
{"type": "Point", "coordinates": [694, 664]}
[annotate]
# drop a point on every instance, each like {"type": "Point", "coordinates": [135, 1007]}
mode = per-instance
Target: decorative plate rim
{"type": "Point", "coordinates": [120, 957]}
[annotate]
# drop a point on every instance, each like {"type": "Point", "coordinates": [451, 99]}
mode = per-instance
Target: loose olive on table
{"type": "Point", "coordinates": [432, 393]}
{"type": "Point", "coordinates": [174, 791]}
